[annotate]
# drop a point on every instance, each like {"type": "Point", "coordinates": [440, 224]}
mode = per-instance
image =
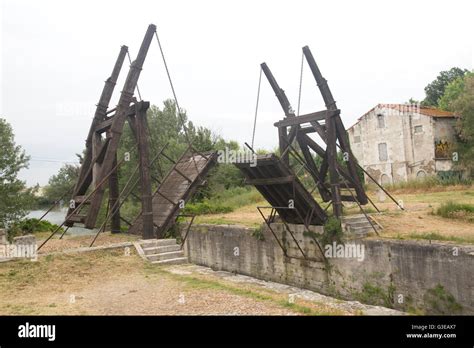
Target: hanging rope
{"type": "Point", "coordinates": [130, 61]}
{"type": "Point", "coordinates": [301, 83]}
{"type": "Point", "coordinates": [256, 107]}
{"type": "Point", "coordinates": [183, 124]}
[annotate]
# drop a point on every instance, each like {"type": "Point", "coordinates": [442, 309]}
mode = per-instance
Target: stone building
{"type": "Point", "coordinates": [397, 142]}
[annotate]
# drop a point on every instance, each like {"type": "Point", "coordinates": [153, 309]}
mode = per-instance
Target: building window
{"type": "Point", "coordinates": [381, 121]}
{"type": "Point", "coordinates": [418, 129]}
{"type": "Point", "coordinates": [356, 139]}
{"type": "Point", "coordinates": [383, 156]}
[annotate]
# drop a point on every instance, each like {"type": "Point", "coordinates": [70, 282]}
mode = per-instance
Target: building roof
{"type": "Point", "coordinates": [407, 108]}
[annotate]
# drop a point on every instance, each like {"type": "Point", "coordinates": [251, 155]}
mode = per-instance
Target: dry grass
{"type": "Point", "coordinates": [417, 220]}
{"type": "Point", "coordinates": [71, 242]}
{"type": "Point", "coordinates": [112, 283]}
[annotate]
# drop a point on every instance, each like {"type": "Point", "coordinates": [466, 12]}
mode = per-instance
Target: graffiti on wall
{"type": "Point", "coordinates": [442, 149]}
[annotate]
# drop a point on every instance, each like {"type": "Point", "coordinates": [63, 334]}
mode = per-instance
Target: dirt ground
{"type": "Point", "coordinates": [112, 283]}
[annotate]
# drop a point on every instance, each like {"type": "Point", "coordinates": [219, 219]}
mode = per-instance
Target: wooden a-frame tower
{"type": "Point", "coordinates": [100, 162]}
{"type": "Point", "coordinates": [328, 125]}
{"type": "Point", "coordinates": [99, 168]}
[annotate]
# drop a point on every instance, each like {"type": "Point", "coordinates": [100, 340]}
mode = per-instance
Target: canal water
{"type": "Point", "coordinates": [56, 216]}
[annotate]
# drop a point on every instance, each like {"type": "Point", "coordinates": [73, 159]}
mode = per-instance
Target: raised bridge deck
{"type": "Point", "coordinates": [178, 185]}
{"type": "Point", "coordinates": [280, 186]}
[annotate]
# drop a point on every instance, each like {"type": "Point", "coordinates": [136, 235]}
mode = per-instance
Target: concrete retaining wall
{"type": "Point", "coordinates": [407, 275]}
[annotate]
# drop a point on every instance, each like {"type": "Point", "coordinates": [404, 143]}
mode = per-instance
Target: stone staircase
{"type": "Point", "coordinates": [359, 226]}
{"type": "Point", "coordinates": [161, 251]}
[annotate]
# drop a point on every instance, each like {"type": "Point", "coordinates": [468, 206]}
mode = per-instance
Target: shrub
{"type": "Point", "coordinates": [206, 207]}
{"type": "Point", "coordinates": [453, 210]}
{"type": "Point", "coordinates": [440, 302]}
{"type": "Point", "coordinates": [28, 226]}
{"type": "Point", "coordinates": [332, 232]}
{"type": "Point", "coordinates": [428, 183]}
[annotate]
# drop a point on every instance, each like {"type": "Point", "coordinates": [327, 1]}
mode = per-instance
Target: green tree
{"type": "Point", "coordinates": [435, 90]}
{"type": "Point", "coordinates": [61, 183]}
{"type": "Point", "coordinates": [463, 106]}
{"type": "Point", "coordinates": [15, 198]}
{"type": "Point", "coordinates": [453, 90]}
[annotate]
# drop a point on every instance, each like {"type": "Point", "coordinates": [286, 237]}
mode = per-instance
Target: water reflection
{"type": "Point", "coordinates": [56, 216]}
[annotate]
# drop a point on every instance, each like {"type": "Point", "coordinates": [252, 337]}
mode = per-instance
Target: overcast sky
{"type": "Point", "coordinates": [55, 56]}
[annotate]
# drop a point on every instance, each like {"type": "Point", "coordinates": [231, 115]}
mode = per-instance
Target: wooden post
{"type": "Point", "coordinates": [331, 151]}
{"type": "Point", "coordinates": [283, 141]}
{"type": "Point", "coordinates": [144, 167]}
{"type": "Point", "coordinates": [96, 148]}
{"type": "Point", "coordinates": [85, 176]}
{"type": "Point", "coordinates": [113, 199]}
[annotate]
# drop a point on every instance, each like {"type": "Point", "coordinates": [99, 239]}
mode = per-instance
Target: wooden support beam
{"type": "Point", "coordinates": [351, 162]}
{"type": "Point", "coordinates": [107, 123]}
{"type": "Point", "coordinates": [114, 194]}
{"type": "Point", "coordinates": [313, 169]}
{"type": "Point", "coordinates": [298, 120]}
{"type": "Point", "coordinates": [283, 141]}
{"type": "Point", "coordinates": [99, 115]}
{"type": "Point", "coordinates": [270, 181]}
{"type": "Point", "coordinates": [145, 179]}
{"type": "Point", "coordinates": [97, 150]}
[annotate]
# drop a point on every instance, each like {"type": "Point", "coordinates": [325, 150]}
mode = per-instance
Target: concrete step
{"type": "Point", "coordinates": [165, 256]}
{"type": "Point", "coordinates": [353, 219]}
{"type": "Point", "coordinates": [148, 243]}
{"type": "Point", "coordinates": [161, 249]}
{"type": "Point", "coordinates": [362, 230]}
{"type": "Point", "coordinates": [175, 261]}
{"type": "Point", "coordinates": [358, 224]}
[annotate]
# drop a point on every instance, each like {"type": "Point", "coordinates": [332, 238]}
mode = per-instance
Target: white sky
{"type": "Point", "coordinates": [55, 56]}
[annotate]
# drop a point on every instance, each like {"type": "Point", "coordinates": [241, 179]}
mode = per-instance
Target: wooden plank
{"type": "Point", "coordinates": [298, 120]}
{"type": "Point", "coordinates": [174, 188]}
{"type": "Point", "coordinates": [107, 123]}
{"type": "Point", "coordinates": [270, 181]}
{"type": "Point", "coordinates": [104, 125]}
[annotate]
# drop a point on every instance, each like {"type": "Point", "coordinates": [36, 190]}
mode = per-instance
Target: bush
{"type": "Point", "coordinates": [28, 226]}
{"type": "Point", "coordinates": [453, 210]}
{"type": "Point", "coordinates": [332, 232]}
{"type": "Point", "coordinates": [206, 208]}
{"type": "Point", "coordinates": [225, 201]}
